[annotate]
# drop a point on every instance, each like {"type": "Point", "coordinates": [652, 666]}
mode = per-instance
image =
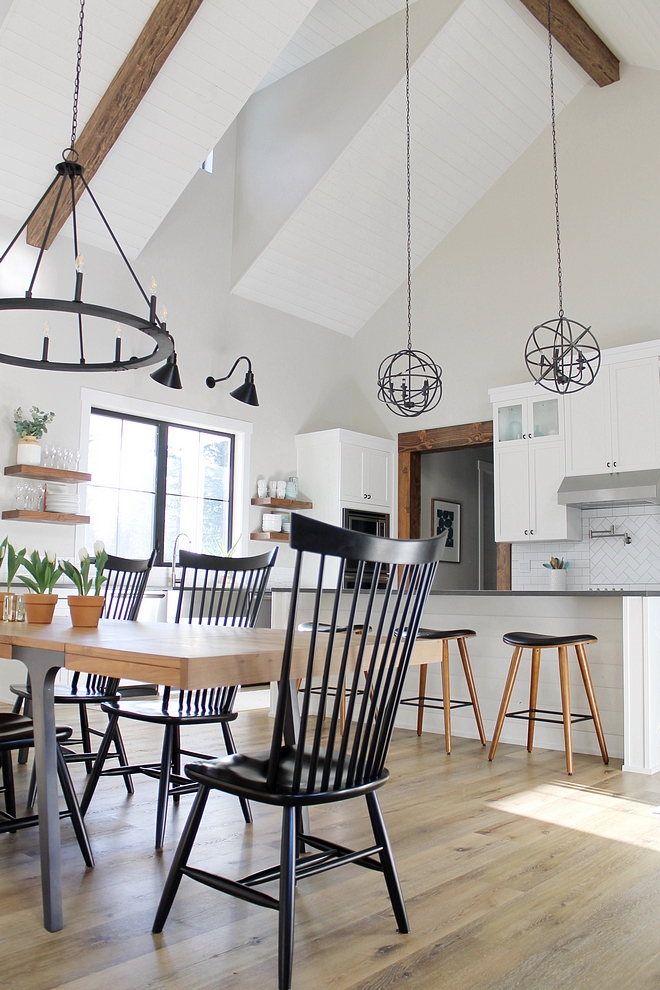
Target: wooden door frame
{"type": "Point", "coordinates": [411, 447]}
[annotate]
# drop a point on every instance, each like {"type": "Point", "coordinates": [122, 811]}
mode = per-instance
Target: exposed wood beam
{"type": "Point", "coordinates": [582, 43]}
{"type": "Point", "coordinates": [167, 23]}
{"type": "Point", "coordinates": [447, 437]}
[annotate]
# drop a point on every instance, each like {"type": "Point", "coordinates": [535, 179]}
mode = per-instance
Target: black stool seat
{"type": "Point", "coordinates": [538, 640]}
{"type": "Point", "coordinates": [445, 633]}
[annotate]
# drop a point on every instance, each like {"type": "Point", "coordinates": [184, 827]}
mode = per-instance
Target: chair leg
{"type": "Point", "coordinates": [27, 710]}
{"type": "Point", "coordinates": [18, 705]}
{"type": "Point", "coordinates": [164, 785]}
{"type": "Point", "coordinates": [467, 670]}
{"type": "Point", "coordinates": [533, 695]}
{"type": "Point", "coordinates": [72, 805]}
{"type": "Point", "coordinates": [230, 746]}
{"type": "Point", "coordinates": [176, 756]}
{"type": "Point", "coordinates": [446, 694]}
{"type": "Point", "coordinates": [181, 856]}
{"type": "Point", "coordinates": [506, 698]}
{"type": "Point", "coordinates": [85, 736]}
{"type": "Point", "coordinates": [8, 783]}
{"type": "Point", "coordinates": [120, 750]}
{"type": "Point", "coordinates": [423, 667]}
{"type": "Point", "coordinates": [287, 898]}
{"type": "Point", "coordinates": [99, 762]}
{"type": "Point", "coordinates": [32, 789]}
{"type": "Point", "coordinates": [387, 861]}
{"type": "Point", "coordinates": [591, 697]}
{"type": "Point", "coordinates": [566, 706]}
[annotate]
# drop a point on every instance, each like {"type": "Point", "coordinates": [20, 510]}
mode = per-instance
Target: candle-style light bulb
{"type": "Point", "coordinates": [118, 344]}
{"type": "Point", "coordinates": [80, 263]}
{"type": "Point", "coordinates": [44, 349]}
{"type": "Point", "coordinates": [154, 286]}
{"type": "Point", "coordinates": [163, 313]}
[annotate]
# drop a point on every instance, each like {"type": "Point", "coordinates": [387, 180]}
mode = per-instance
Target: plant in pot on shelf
{"type": "Point", "coordinates": [86, 609]}
{"type": "Point", "coordinates": [30, 432]}
{"type": "Point", "coordinates": [44, 574]}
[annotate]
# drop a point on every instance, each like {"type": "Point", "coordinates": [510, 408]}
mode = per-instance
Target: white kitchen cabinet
{"type": "Point", "coordinates": [366, 475]}
{"type": "Point", "coordinates": [614, 424]}
{"type": "Point", "coordinates": [529, 466]}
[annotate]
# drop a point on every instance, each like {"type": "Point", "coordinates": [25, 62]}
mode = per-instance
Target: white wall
{"type": "Point", "coordinates": [493, 278]}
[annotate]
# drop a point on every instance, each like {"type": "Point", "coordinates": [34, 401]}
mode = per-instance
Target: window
{"type": "Point", "coordinates": [152, 480]}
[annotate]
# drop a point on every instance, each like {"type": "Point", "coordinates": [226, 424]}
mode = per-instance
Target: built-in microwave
{"type": "Point", "coordinates": [374, 523]}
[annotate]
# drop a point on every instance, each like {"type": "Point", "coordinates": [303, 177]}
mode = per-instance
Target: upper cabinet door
{"type": "Point", "coordinates": [351, 473]}
{"type": "Point", "coordinates": [544, 419]}
{"type": "Point", "coordinates": [588, 434]}
{"type": "Point", "coordinates": [635, 402]}
{"type": "Point", "coordinates": [376, 466]}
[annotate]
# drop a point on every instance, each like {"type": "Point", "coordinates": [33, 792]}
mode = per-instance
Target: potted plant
{"type": "Point", "coordinates": [44, 571]}
{"type": "Point", "coordinates": [86, 609]}
{"type": "Point", "coordinates": [30, 432]}
{"type": "Point", "coordinates": [14, 561]}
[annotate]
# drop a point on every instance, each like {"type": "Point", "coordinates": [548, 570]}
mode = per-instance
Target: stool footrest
{"type": "Point", "coordinates": [418, 703]}
{"type": "Point", "coordinates": [532, 715]}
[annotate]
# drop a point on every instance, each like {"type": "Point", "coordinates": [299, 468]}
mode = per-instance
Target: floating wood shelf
{"type": "Point", "coordinates": [35, 472]}
{"type": "Point", "coordinates": [282, 537]}
{"type": "Point", "coordinates": [282, 503]}
{"type": "Point", "coordinates": [35, 515]}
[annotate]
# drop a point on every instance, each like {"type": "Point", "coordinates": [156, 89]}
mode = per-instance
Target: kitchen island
{"type": "Point", "coordinates": [625, 665]}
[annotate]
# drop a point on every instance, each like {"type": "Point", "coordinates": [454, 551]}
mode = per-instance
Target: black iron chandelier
{"type": "Point", "coordinates": [562, 355]}
{"type": "Point", "coordinates": [65, 185]}
{"type": "Point", "coordinates": [409, 382]}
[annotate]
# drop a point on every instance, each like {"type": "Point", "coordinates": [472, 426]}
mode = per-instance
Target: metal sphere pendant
{"type": "Point", "coordinates": [562, 355]}
{"type": "Point", "coordinates": [409, 383]}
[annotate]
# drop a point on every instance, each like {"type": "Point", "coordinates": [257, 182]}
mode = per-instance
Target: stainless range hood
{"type": "Point", "coordinates": [595, 491]}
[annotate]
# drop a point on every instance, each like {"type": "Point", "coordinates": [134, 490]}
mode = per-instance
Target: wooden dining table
{"type": "Point", "coordinates": [177, 655]}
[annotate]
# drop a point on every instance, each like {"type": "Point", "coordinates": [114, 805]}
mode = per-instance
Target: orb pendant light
{"type": "Point", "coordinates": [409, 382]}
{"type": "Point", "coordinates": [562, 355]}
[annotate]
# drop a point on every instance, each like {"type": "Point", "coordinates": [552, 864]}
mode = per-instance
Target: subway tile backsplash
{"type": "Point", "coordinates": [598, 563]}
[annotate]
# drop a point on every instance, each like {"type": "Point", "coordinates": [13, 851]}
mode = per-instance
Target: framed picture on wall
{"type": "Point", "coordinates": [446, 517]}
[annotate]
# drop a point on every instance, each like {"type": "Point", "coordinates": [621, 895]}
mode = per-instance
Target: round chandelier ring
{"type": "Point", "coordinates": [162, 339]}
{"type": "Point", "coordinates": [562, 355]}
{"type": "Point", "coordinates": [409, 382]}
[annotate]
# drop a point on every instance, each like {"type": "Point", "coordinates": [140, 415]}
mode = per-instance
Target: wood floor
{"type": "Point", "coordinates": [516, 877]}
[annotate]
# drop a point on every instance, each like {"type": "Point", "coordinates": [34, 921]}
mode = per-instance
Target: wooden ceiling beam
{"type": "Point", "coordinates": [166, 25]}
{"type": "Point", "coordinates": [581, 42]}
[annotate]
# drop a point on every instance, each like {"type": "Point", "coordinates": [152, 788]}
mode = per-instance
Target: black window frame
{"type": "Point", "coordinates": [162, 426]}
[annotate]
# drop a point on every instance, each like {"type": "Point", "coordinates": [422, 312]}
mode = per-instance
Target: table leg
{"type": "Point", "coordinates": [43, 666]}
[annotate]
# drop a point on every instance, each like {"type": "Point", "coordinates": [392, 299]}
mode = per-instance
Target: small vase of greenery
{"type": "Point", "coordinates": [44, 573]}
{"type": "Point", "coordinates": [84, 607]}
{"type": "Point", "coordinates": [30, 431]}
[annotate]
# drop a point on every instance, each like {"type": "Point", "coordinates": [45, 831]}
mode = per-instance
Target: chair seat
{"type": "Point", "coordinates": [63, 694]}
{"type": "Point", "coordinates": [153, 711]}
{"type": "Point", "coordinates": [538, 640]}
{"type": "Point", "coordinates": [16, 730]}
{"type": "Point", "coordinates": [423, 633]}
{"type": "Point", "coordinates": [247, 776]}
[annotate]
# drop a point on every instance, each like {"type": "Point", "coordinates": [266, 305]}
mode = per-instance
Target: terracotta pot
{"type": "Point", "coordinates": [86, 610]}
{"type": "Point", "coordinates": [28, 451]}
{"type": "Point", "coordinates": [40, 608]}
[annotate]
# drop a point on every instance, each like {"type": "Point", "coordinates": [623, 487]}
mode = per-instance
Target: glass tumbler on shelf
{"type": "Point", "coordinates": [9, 607]}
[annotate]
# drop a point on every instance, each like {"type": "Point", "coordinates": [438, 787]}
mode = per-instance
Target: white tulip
{"type": "Point", "coordinates": [99, 547]}
{"type": "Point", "coordinates": [51, 556]}
{"type": "Point", "coordinates": [83, 554]}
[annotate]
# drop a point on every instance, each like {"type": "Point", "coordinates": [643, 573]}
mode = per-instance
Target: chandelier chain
{"type": "Point", "coordinates": [554, 159]}
{"type": "Point", "coordinates": [408, 190]}
{"type": "Point", "coordinates": [76, 88]}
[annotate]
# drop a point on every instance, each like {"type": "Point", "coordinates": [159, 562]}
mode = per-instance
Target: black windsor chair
{"type": "Point", "coordinates": [16, 732]}
{"type": "Point", "coordinates": [322, 766]}
{"type": "Point", "coordinates": [225, 591]}
{"type": "Point", "coordinates": [123, 592]}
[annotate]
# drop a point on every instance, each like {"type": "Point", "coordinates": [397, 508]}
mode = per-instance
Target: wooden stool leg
{"type": "Point", "coordinates": [566, 706]}
{"type": "Point", "coordinates": [533, 694]}
{"type": "Point", "coordinates": [446, 694]}
{"type": "Point", "coordinates": [422, 695]}
{"type": "Point", "coordinates": [591, 697]}
{"type": "Point", "coordinates": [467, 668]}
{"type": "Point", "coordinates": [506, 698]}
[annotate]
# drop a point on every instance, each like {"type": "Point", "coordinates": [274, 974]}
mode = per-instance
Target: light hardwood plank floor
{"type": "Point", "coordinates": [516, 877]}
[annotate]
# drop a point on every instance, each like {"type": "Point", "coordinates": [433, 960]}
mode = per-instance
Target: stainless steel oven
{"type": "Point", "coordinates": [375, 524]}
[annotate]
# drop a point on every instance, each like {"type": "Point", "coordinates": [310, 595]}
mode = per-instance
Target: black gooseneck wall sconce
{"type": "Point", "coordinates": [246, 392]}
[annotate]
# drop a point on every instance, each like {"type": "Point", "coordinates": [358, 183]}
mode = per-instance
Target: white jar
{"type": "Point", "coordinates": [558, 579]}
{"type": "Point", "coordinates": [28, 451]}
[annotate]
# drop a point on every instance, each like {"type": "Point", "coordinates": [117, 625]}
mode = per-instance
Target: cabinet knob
{"type": "Point", "coordinates": [526, 532]}
{"type": "Point", "coordinates": [614, 464]}
{"type": "Point", "coordinates": [531, 532]}
{"type": "Point", "coordinates": [608, 464]}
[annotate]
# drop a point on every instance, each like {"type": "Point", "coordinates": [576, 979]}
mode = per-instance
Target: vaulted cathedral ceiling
{"type": "Point", "coordinates": [317, 93]}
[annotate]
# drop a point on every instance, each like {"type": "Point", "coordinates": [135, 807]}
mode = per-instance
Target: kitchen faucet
{"type": "Point", "coordinates": [176, 543]}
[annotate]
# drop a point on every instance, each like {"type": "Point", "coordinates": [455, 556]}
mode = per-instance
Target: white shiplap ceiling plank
{"type": "Point", "coordinates": [631, 28]}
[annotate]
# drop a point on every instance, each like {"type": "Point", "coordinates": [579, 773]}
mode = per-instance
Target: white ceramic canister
{"type": "Point", "coordinates": [558, 579]}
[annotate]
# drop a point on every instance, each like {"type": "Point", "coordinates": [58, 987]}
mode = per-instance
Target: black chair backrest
{"type": "Point", "coordinates": [225, 591]}
{"type": "Point", "coordinates": [325, 760]}
{"type": "Point", "coordinates": [125, 587]}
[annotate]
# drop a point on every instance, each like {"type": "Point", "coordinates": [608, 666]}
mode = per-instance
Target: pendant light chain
{"type": "Point", "coordinates": [408, 186]}
{"type": "Point", "coordinates": [554, 159]}
{"type": "Point", "coordinates": [76, 89]}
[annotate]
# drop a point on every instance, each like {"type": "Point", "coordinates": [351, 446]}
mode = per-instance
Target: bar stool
{"type": "Point", "coordinates": [422, 701]}
{"type": "Point", "coordinates": [537, 642]}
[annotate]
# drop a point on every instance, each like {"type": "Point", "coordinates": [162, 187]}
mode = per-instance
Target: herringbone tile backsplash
{"type": "Point", "coordinates": [602, 563]}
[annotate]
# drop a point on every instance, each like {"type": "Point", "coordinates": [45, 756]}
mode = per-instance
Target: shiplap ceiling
{"type": "Point", "coordinates": [479, 97]}
{"type": "Point", "coordinates": [631, 29]}
{"type": "Point", "coordinates": [213, 70]}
